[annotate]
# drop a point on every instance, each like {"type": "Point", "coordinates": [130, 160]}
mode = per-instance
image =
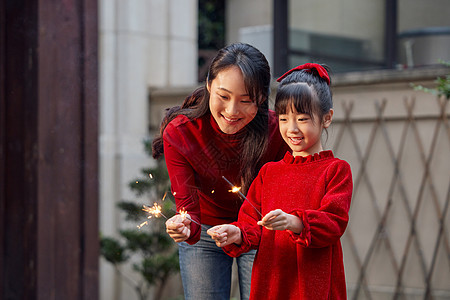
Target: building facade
{"type": "Point", "coordinates": [148, 62]}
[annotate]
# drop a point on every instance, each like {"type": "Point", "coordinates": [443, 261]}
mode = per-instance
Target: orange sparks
{"type": "Point", "coordinates": [164, 197]}
{"type": "Point", "coordinates": [142, 224]}
{"type": "Point", "coordinates": [154, 211]}
{"type": "Point", "coordinates": [183, 213]}
{"type": "Point", "coordinates": [235, 189]}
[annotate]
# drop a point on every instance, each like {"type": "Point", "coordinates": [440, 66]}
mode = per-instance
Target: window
{"type": "Point", "coordinates": [358, 35]}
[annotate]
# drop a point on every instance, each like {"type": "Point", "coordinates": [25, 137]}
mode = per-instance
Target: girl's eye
{"type": "Point", "coordinates": [247, 101]}
{"type": "Point", "coordinates": [303, 117]}
{"type": "Point", "coordinates": [222, 97]}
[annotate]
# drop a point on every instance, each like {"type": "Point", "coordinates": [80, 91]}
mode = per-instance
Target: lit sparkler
{"type": "Point", "coordinates": [237, 190]}
{"type": "Point", "coordinates": [183, 213]}
{"type": "Point", "coordinates": [153, 211]}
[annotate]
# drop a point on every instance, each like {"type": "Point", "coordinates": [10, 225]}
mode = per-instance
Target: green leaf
{"type": "Point", "coordinates": [112, 250]}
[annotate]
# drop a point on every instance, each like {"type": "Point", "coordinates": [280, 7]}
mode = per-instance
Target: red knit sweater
{"type": "Point", "coordinates": [197, 155]}
{"type": "Point", "coordinates": [318, 190]}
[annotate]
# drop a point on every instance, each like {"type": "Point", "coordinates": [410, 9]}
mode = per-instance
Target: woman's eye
{"type": "Point", "coordinates": [222, 97]}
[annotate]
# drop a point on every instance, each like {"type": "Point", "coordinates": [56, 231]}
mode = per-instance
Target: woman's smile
{"type": "Point", "coordinates": [229, 101]}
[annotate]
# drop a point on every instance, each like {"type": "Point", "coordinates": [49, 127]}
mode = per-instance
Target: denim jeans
{"type": "Point", "coordinates": [206, 270]}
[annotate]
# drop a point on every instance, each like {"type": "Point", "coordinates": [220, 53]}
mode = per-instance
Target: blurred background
{"type": "Point", "coordinates": [86, 83]}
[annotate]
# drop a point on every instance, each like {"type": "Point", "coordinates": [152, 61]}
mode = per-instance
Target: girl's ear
{"type": "Point", "coordinates": [327, 118]}
{"type": "Point", "coordinates": [208, 87]}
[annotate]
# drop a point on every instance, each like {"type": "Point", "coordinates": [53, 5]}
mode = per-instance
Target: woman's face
{"type": "Point", "coordinates": [229, 101]}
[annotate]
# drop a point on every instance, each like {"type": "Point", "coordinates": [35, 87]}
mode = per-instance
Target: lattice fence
{"type": "Point", "coordinates": [397, 243]}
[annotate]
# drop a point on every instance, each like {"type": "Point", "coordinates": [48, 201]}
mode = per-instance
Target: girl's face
{"type": "Point", "coordinates": [229, 101]}
{"type": "Point", "coordinates": [301, 133]}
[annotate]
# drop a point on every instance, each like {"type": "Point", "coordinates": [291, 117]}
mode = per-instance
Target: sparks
{"type": "Point", "coordinates": [154, 211]}
{"type": "Point", "coordinates": [142, 224]}
{"type": "Point", "coordinates": [184, 214]}
{"type": "Point", "coordinates": [150, 175]}
{"type": "Point", "coordinates": [164, 197]}
{"type": "Point", "coordinates": [237, 190]}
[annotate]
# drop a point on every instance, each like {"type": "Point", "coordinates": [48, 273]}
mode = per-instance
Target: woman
{"type": "Point", "coordinates": [223, 129]}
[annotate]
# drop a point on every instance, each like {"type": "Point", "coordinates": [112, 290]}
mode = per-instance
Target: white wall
{"type": "Point", "coordinates": [143, 43]}
{"type": "Point", "coordinates": [246, 13]}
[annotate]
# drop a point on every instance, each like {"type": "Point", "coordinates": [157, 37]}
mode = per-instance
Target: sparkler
{"type": "Point", "coordinates": [237, 190]}
{"type": "Point", "coordinates": [154, 211]}
{"type": "Point", "coordinates": [183, 214]}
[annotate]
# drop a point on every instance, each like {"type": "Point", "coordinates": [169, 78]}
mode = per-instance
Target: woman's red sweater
{"type": "Point", "coordinates": [197, 155]}
{"type": "Point", "coordinates": [317, 189]}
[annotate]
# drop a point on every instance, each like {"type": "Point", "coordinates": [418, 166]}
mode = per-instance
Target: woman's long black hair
{"type": "Point", "coordinates": [256, 72]}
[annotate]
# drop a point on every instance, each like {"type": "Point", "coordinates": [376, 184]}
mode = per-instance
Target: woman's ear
{"type": "Point", "coordinates": [327, 118]}
{"type": "Point", "coordinates": [208, 87]}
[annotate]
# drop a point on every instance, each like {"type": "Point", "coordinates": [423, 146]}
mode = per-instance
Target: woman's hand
{"type": "Point", "coordinates": [178, 228]}
{"type": "Point", "coordinates": [225, 235]}
{"type": "Point", "coordinates": [279, 220]}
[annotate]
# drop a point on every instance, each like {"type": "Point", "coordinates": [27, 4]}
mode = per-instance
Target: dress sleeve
{"type": "Point", "coordinates": [182, 181]}
{"type": "Point", "coordinates": [325, 226]}
{"type": "Point", "coordinates": [247, 220]}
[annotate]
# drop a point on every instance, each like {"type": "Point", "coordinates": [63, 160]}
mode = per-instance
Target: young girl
{"type": "Point", "coordinates": [304, 198]}
{"type": "Point", "coordinates": [223, 129]}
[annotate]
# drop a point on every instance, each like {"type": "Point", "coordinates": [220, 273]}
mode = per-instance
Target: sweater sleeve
{"type": "Point", "coordinates": [247, 220]}
{"type": "Point", "coordinates": [183, 186]}
{"type": "Point", "coordinates": [325, 226]}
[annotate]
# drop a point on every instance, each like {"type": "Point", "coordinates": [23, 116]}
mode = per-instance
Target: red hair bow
{"type": "Point", "coordinates": [309, 66]}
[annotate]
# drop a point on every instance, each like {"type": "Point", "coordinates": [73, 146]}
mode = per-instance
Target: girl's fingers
{"type": "Point", "coordinates": [268, 219]}
{"type": "Point", "coordinates": [272, 215]}
{"type": "Point", "coordinates": [213, 230]}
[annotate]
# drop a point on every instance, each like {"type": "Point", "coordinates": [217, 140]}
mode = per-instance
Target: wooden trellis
{"type": "Point", "coordinates": [430, 148]}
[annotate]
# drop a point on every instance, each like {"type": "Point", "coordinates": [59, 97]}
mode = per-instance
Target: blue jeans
{"type": "Point", "coordinates": [206, 270]}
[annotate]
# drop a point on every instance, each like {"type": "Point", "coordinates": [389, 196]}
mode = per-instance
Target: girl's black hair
{"type": "Point", "coordinates": [256, 72]}
{"type": "Point", "coordinates": [306, 91]}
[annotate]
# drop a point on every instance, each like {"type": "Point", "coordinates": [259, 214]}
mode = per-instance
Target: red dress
{"type": "Point", "coordinates": [197, 155]}
{"type": "Point", "coordinates": [317, 189]}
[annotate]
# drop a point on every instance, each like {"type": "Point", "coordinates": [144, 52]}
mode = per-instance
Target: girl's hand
{"type": "Point", "coordinates": [279, 220]}
{"type": "Point", "coordinates": [225, 235]}
{"type": "Point", "coordinates": [178, 228]}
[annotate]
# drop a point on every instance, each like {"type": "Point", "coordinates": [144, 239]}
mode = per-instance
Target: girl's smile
{"type": "Point", "coordinates": [302, 132]}
{"type": "Point", "coordinates": [296, 140]}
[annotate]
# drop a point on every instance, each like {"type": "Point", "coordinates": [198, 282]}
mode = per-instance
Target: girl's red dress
{"type": "Point", "coordinates": [309, 265]}
{"type": "Point", "coordinates": [197, 155]}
